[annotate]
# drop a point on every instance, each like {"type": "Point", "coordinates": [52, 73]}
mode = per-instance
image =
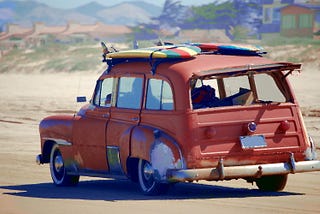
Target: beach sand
{"type": "Point", "coordinates": [27, 188]}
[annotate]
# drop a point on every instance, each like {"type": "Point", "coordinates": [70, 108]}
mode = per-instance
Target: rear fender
{"type": "Point", "coordinates": [311, 153]}
{"type": "Point", "coordinates": [161, 150]}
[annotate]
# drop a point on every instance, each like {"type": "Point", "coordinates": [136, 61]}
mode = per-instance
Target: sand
{"type": "Point", "coordinates": [27, 188]}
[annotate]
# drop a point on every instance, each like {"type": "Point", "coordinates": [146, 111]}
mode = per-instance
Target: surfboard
{"type": "Point", "coordinates": [162, 52]}
{"type": "Point", "coordinates": [230, 49]}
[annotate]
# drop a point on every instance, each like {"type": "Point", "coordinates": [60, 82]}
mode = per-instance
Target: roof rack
{"type": "Point", "coordinates": [154, 63]}
{"type": "Point", "coordinates": [153, 55]}
{"type": "Point", "coordinates": [174, 53]}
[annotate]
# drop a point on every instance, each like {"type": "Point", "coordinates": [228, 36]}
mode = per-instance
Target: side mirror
{"type": "Point", "coordinates": [81, 99]}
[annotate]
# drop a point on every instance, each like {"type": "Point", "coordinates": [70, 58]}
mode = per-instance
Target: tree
{"type": "Point", "coordinates": [173, 13]}
{"type": "Point", "coordinates": [213, 15]}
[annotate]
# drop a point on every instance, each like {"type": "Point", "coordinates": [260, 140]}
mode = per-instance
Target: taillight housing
{"type": "Point", "coordinates": [284, 126]}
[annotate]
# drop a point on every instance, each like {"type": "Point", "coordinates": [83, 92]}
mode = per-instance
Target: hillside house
{"type": "Point", "coordinates": [97, 31]}
{"type": "Point", "coordinates": [13, 37]}
{"type": "Point", "coordinates": [271, 16]}
{"type": "Point", "coordinates": [300, 20]}
{"type": "Point", "coordinates": [15, 32]}
{"type": "Point", "coordinates": [17, 36]}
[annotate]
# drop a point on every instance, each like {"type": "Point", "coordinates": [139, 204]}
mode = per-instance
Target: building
{"type": "Point", "coordinates": [271, 17]}
{"type": "Point", "coordinates": [15, 32]}
{"type": "Point", "coordinates": [17, 36]}
{"type": "Point", "coordinates": [300, 20]}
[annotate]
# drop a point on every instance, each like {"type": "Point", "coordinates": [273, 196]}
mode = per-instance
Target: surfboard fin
{"type": "Point", "coordinates": [114, 50]}
{"type": "Point", "coordinates": [105, 51]}
{"type": "Point", "coordinates": [104, 48]}
{"type": "Point", "coordinates": [162, 43]}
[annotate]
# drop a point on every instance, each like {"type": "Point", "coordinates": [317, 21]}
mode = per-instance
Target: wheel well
{"type": "Point", "coordinates": [47, 147]}
{"type": "Point", "coordinates": [132, 168]}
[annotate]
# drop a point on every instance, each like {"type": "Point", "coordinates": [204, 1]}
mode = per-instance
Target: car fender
{"type": "Point", "coordinates": [157, 147]}
{"type": "Point", "coordinates": [56, 130]}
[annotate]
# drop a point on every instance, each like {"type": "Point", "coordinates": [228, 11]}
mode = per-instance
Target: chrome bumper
{"type": "Point", "coordinates": [248, 171]}
{"type": "Point", "coordinates": [39, 159]}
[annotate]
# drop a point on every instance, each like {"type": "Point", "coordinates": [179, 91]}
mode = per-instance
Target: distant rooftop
{"type": "Point", "coordinates": [309, 6]}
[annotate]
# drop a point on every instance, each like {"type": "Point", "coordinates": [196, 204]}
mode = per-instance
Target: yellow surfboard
{"type": "Point", "coordinates": [172, 51]}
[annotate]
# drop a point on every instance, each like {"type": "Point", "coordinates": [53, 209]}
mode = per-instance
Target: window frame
{"type": "Point", "coordinates": [267, 15]}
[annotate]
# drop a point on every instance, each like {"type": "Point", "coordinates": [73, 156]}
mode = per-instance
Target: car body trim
{"type": "Point", "coordinates": [60, 142]}
{"type": "Point", "coordinates": [113, 156]}
{"type": "Point", "coordinates": [243, 69]}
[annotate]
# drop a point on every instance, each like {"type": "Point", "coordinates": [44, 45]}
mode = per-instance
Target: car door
{"type": "Point", "coordinates": [90, 130]}
{"type": "Point", "coordinates": [125, 115]}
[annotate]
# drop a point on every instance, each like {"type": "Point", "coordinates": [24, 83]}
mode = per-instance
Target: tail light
{"type": "Point", "coordinates": [284, 126]}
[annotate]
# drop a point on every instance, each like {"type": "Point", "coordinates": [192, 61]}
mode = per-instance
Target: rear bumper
{"type": "Point", "coordinates": [248, 171]}
{"type": "Point", "coordinates": [39, 159]}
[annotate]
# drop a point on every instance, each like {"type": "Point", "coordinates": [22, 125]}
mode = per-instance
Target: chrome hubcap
{"type": "Point", "coordinates": [58, 163]}
{"type": "Point", "coordinates": [148, 171]}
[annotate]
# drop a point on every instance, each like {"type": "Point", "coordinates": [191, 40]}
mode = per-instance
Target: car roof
{"type": "Point", "coordinates": [205, 65]}
{"type": "Point", "coordinates": [202, 65]}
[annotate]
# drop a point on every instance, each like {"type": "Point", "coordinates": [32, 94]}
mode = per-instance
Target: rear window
{"type": "Point", "coordinates": [216, 91]}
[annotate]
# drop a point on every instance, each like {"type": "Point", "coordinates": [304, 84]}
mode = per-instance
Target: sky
{"type": "Point", "coordinates": [75, 3]}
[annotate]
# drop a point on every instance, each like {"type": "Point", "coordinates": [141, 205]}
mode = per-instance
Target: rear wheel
{"type": "Point", "coordinates": [272, 182]}
{"type": "Point", "coordinates": [58, 171]}
{"type": "Point", "coordinates": [148, 185]}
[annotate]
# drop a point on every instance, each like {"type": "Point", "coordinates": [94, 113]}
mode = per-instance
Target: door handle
{"type": "Point", "coordinates": [135, 119]}
{"type": "Point", "coordinates": [106, 115]}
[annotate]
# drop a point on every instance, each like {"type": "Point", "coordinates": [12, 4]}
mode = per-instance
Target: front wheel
{"type": "Point", "coordinates": [272, 182]}
{"type": "Point", "coordinates": [58, 171]}
{"type": "Point", "coordinates": [148, 185]}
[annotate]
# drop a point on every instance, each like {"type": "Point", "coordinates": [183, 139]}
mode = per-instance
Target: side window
{"type": "Point", "coordinates": [167, 97]}
{"type": "Point", "coordinates": [159, 95]}
{"type": "Point", "coordinates": [104, 93]}
{"type": "Point", "coordinates": [129, 92]}
{"type": "Point", "coordinates": [96, 98]}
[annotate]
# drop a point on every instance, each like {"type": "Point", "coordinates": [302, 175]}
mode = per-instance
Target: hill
{"type": "Point", "coordinates": [25, 13]}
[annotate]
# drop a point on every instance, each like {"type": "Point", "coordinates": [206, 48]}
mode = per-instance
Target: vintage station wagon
{"type": "Point", "coordinates": [214, 115]}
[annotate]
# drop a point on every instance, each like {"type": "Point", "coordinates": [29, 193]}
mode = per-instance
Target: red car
{"type": "Point", "coordinates": [158, 119]}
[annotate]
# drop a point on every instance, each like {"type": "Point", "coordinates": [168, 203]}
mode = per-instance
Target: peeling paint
{"type": "Point", "coordinates": [162, 159]}
{"type": "Point", "coordinates": [78, 159]}
{"type": "Point", "coordinates": [310, 154]}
